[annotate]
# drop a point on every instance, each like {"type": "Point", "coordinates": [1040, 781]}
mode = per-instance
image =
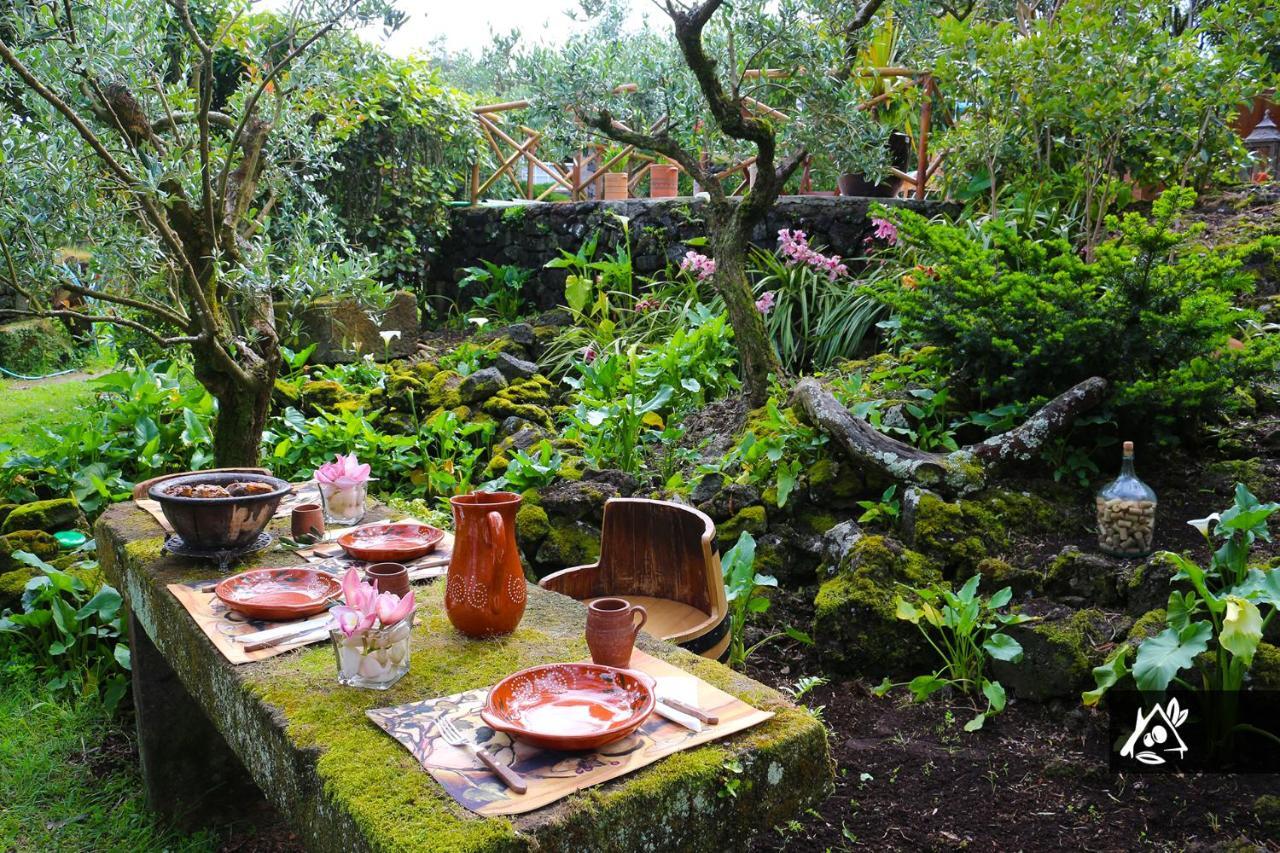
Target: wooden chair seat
{"type": "Point", "coordinates": [660, 555]}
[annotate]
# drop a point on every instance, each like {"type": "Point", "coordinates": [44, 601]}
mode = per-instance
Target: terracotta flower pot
{"type": "Point", "coordinates": [615, 186]}
{"type": "Point", "coordinates": [664, 181]}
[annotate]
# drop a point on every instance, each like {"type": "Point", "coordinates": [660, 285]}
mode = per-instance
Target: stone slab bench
{"type": "Point", "coordinates": [206, 727]}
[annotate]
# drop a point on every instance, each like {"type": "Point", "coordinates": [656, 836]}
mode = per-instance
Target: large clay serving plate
{"type": "Point", "coordinates": [278, 595]}
{"type": "Point", "coordinates": [391, 542]}
{"type": "Point", "coordinates": [569, 706]}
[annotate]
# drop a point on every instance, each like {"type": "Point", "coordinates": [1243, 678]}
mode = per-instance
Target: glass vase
{"type": "Point", "coordinates": [343, 506]}
{"type": "Point", "coordinates": [374, 659]}
{"type": "Point", "coordinates": [1126, 512]}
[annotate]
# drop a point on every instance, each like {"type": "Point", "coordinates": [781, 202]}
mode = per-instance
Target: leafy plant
{"type": "Point", "coordinates": [966, 630]}
{"type": "Point", "coordinates": [1224, 612]}
{"type": "Point", "coordinates": [775, 452]}
{"type": "Point", "coordinates": [742, 585]}
{"type": "Point", "coordinates": [75, 634]}
{"type": "Point", "coordinates": [1154, 313]}
{"type": "Point", "coordinates": [534, 468]}
{"type": "Point", "coordinates": [503, 286]}
{"type": "Point", "coordinates": [886, 509]}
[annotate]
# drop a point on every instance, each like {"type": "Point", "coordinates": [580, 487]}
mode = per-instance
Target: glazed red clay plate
{"type": "Point", "coordinates": [394, 542]}
{"type": "Point", "coordinates": [569, 706]}
{"type": "Point", "coordinates": [278, 595]}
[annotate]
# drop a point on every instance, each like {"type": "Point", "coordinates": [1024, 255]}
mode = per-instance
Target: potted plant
{"type": "Point", "coordinates": [865, 155]}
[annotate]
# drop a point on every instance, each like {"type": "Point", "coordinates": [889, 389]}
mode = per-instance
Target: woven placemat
{"type": "Point", "coordinates": [551, 775]}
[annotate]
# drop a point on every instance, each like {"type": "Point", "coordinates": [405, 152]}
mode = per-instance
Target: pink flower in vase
{"type": "Point", "coordinates": [344, 472]}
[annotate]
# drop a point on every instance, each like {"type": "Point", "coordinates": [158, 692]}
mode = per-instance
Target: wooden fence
{"type": "Point", "coordinates": [515, 148]}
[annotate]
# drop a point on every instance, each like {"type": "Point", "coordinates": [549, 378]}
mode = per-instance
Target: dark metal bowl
{"type": "Point", "coordinates": [219, 523]}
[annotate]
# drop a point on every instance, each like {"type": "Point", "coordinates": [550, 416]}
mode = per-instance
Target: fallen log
{"type": "Point", "coordinates": [956, 473]}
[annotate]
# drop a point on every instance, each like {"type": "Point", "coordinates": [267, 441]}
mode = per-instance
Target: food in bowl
{"type": "Point", "coordinates": [213, 490]}
{"type": "Point", "coordinates": [207, 520]}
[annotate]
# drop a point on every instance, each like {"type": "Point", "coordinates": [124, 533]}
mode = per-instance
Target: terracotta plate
{"type": "Point", "coordinates": [391, 542]}
{"type": "Point", "coordinates": [279, 594]}
{"type": "Point", "coordinates": [569, 706]}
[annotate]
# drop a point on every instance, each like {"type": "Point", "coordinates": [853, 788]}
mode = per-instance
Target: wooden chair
{"type": "Point", "coordinates": [660, 555]}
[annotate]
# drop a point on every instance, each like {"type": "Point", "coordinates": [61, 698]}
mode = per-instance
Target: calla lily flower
{"type": "Point", "coordinates": [1202, 524]}
{"type": "Point", "coordinates": [345, 472]}
{"type": "Point", "coordinates": [389, 336]}
{"type": "Point", "coordinates": [391, 608]}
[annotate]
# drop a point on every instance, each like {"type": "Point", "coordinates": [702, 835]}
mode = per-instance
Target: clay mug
{"type": "Point", "coordinates": [388, 577]}
{"type": "Point", "coordinates": [307, 520]}
{"type": "Point", "coordinates": [612, 630]}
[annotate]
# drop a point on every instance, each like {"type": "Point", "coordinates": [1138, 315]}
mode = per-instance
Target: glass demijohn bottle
{"type": "Point", "coordinates": [1126, 512]}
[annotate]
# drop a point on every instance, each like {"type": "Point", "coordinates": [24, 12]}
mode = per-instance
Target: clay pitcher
{"type": "Point", "coordinates": [484, 595]}
{"type": "Point", "coordinates": [612, 630]}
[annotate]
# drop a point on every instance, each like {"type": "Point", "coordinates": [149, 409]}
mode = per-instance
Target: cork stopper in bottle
{"type": "Point", "coordinates": [1128, 448]}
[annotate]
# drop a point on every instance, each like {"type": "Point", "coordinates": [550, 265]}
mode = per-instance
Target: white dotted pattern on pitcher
{"type": "Point", "coordinates": [515, 588]}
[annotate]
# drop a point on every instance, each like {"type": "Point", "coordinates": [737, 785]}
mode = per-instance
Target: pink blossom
{"type": "Point", "coordinates": [648, 304]}
{"type": "Point", "coordinates": [765, 303]}
{"type": "Point", "coordinates": [391, 608]}
{"type": "Point", "coordinates": [700, 265]}
{"type": "Point", "coordinates": [356, 594]}
{"type": "Point", "coordinates": [345, 472]}
{"type": "Point", "coordinates": [351, 621]}
{"type": "Point", "coordinates": [589, 353]}
{"type": "Point", "coordinates": [885, 230]}
{"type": "Point", "coordinates": [796, 251]}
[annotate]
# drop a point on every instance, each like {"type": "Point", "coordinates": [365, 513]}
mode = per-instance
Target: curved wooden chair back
{"type": "Point", "coordinates": [657, 549]}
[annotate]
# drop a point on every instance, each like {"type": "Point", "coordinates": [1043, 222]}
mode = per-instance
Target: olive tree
{"type": "Point", "coordinates": [194, 159]}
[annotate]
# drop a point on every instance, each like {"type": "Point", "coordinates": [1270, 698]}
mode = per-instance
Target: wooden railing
{"type": "Point", "coordinates": [582, 177]}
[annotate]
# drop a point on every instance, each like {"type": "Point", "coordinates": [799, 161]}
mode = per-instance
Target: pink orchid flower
{"type": "Point", "coordinates": [885, 230]}
{"type": "Point", "coordinates": [351, 621]}
{"type": "Point", "coordinates": [765, 303]}
{"type": "Point", "coordinates": [392, 608]}
{"type": "Point", "coordinates": [345, 472]}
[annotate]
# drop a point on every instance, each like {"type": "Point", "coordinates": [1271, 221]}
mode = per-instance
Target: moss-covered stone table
{"type": "Point", "coordinates": [206, 726]}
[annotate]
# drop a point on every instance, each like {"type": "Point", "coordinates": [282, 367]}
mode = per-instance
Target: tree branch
{"type": "Point", "coordinates": [662, 143]}
{"type": "Point", "coordinates": [179, 320]}
{"type": "Point", "coordinates": [960, 472]}
{"type": "Point", "coordinates": [104, 318]}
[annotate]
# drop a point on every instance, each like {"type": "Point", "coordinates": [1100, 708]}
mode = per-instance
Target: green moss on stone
{"type": "Point", "coordinates": [816, 522]}
{"type": "Point", "coordinates": [5, 509]}
{"type": "Point", "coordinates": [569, 543]}
{"type": "Point", "coordinates": [1265, 672]}
{"type": "Point", "coordinates": [854, 621]}
{"type": "Point", "coordinates": [11, 586]}
{"type": "Point", "coordinates": [532, 526]}
{"type": "Point", "coordinates": [442, 390]}
{"type": "Point", "coordinates": [1267, 810]}
{"type": "Point", "coordinates": [751, 519]}
{"type": "Point", "coordinates": [523, 398]}
{"type": "Point", "coordinates": [1147, 626]}
{"type": "Point", "coordinates": [1058, 655]}
{"type": "Point", "coordinates": [37, 542]}
{"type": "Point", "coordinates": [961, 534]}
{"type": "Point", "coordinates": [49, 516]}
{"type": "Point", "coordinates": [1248, 471]}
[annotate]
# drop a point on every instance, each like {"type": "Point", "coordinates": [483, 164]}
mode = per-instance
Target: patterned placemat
{"type": "Point", "coordinates": [299, 493]}
{"type": "Point", "coordinates": [220, 623]}
{"type": "Point", "coordinates": [551, 775]}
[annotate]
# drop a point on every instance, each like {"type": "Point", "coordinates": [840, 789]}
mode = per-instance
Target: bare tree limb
{"type": "Point", "coordinates": [661, 142]}
{"type": "Point", "coordinates": [955, 473]}
{"type": "Point", "coordinates": [104, 318]}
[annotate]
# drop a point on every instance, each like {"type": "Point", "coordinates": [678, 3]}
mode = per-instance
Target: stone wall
{"type": "Point", "coordinates": [531, 235]}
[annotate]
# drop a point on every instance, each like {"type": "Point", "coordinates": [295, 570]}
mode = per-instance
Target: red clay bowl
{"type": "Point", "coordinates": [569, 706]}
{"type": "Point", "coordinates": [278, 595]}
{"type": "Point", "coordinates": [386, 542]}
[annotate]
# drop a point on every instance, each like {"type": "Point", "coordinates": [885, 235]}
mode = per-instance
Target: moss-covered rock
{"type": "Point", "coordinates": [324, 395]}
{"type": "Point", "coordinates": [1251, 472]}
{"type": "Point", "coordinates": [405, 391]}
{"type": "Point", "coordinates": [997, 573]}
{"type": "Point", "coordinates": [854, 622]}
{"type": "Point", "coordinates": [37, 542]}
{"type": "Point", "coordinates": [1093, 578]}
{"type": "Point", "coordinates": [442, 390]}
{"type": "Point", "coordinates": [36, 347]}
{"type": "Point", "coordinates": [12, 583]}
{"type": "Point", "coordinates": [1147, 587]}
{"type": "Point", "coordinates": [49, 516]}
{"type": "Point", "coordinates": [523, 398]}
{"type": "Point", "coordinates": [1147, 626]}
{"type": "Point", "coordinates": [752, 519]}
{"type": "Point", "coordinates": [1265, 672]}
{"type": "Point", "coordinates": [532, 526]}
{"type": "Point", "coordinates": [1059, 654]}
{"type": "Point", "coordinates": [568, 543]}
{"type": "Point", "coordinates": [960, 534]}
{"type": "Point", "coordinates": [5, 509]}
{"type": "Point", "coordinates": [1267, 810]}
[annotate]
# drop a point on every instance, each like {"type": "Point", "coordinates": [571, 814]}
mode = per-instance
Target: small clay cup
{"type": "Point", "coordinates": [388, 577]}
{"type": "Point", "coordinates": [612, 630]}
{"type": "Point", "coordinates": [307, 520]}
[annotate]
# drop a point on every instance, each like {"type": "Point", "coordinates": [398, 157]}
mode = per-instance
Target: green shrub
{"type": "Point", "coordinates": [1023, 318]}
